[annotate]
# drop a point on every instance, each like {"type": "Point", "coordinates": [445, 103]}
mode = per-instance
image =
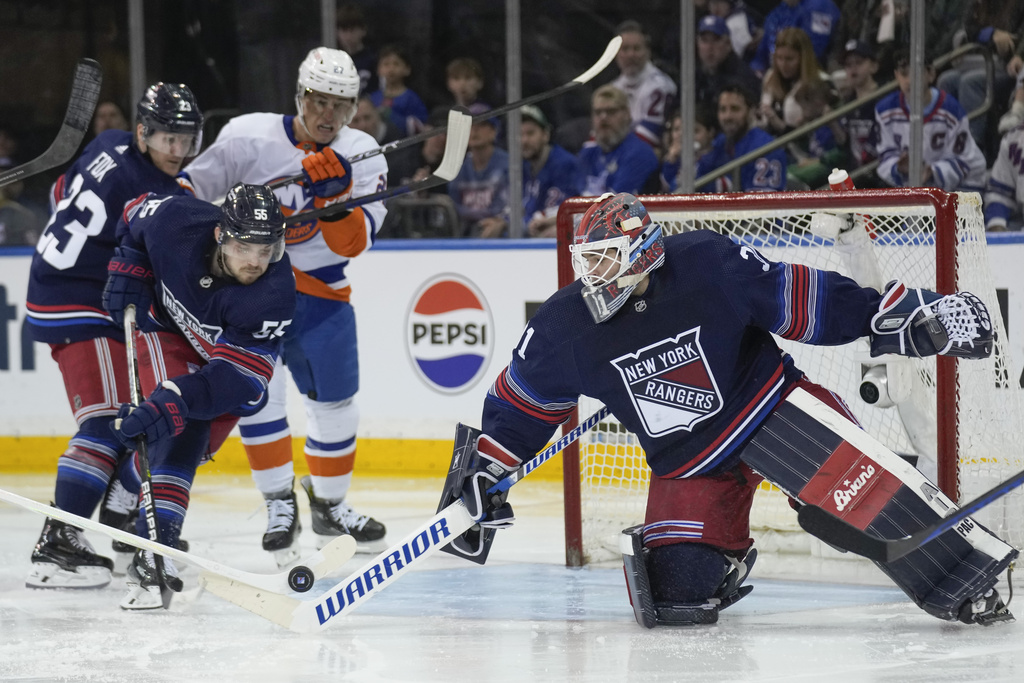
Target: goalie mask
{"type": "Point", "coordinates": [614, 247]}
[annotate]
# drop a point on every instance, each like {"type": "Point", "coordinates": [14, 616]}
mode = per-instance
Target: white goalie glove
{"type": "Point", "coordinates": [919, 323]}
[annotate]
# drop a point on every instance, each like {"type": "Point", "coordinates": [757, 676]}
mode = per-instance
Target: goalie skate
{"type": "Point", "coordinates": [63, 558]}
{"type": "Point", "coordinates": [283, 527]}
{"type": "Point", "coordinates": [143, 588]}
{"type": "Point", "coordinates": [337, 518]}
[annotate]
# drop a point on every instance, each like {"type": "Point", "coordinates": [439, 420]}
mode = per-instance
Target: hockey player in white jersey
{"type": "Point", "coordinates": [320, 346]}
{"type": "Point", "coordinates": [1004, 195]}
{"type": "Point", "coordinates": [952, 160]}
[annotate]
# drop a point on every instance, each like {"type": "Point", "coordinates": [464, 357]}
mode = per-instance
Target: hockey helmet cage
{"type": "Point", "coordinates": [171, 108]}
{"type": "Point", "coordinates": [329, 71]}
{"type": "Point", "coordinates": [251, 214]}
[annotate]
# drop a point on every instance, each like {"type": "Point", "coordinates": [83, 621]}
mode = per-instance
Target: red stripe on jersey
{"type": "Point", "coordinates": [62, 308]}
{"type": "Point", "coordinates": [503, 391]}
{"type": "Point", "coordinates": [251, 361]}
{"type": "Point", "coordinates": [798, 303]}
{"type": "Point", "coordinates": [130, 207]}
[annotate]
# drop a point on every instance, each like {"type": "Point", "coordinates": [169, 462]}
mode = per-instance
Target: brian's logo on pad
{"type": "Point", "coordinates": [670, 383]}
{"type": "Point", "coordinates": [449, 333]}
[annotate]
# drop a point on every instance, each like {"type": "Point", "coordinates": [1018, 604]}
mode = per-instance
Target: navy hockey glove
{"type": "Point", "coordinates": [161, 416]}
{"type": "Point", "coordinates": [129, 281]}
{"type": "Point", "coordinates": [329, 176]}
{"type": "Point", "coordinates": [489, 464]}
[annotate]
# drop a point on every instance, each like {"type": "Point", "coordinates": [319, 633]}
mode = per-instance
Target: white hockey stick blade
{"type": "Point", "coordinates": [85, 92]}
{"type": "Point", "coordinates": [327, 560]}
{"type": "Point", "coordinates": [601, 64]}
{"type": "Point", "coordinates": [459, 127]}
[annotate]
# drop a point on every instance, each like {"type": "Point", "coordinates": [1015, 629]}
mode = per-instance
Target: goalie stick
{"type": "Point", "coordinates": [306, 616]}
{"type": "Point", "coordinates": [331, 557]}
{"type": "Point", "coordinates": [85, 92]}
{"type": "Point", "coordinates": [842, 534]}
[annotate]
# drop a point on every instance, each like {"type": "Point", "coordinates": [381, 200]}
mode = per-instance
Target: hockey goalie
{"type": "Point", "coordinates": [674, 335]}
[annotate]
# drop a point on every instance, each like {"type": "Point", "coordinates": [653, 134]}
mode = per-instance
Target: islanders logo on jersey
{"type": "Point", "coordinates": [670, 383]}
{"type": "Point", "coordinates": [294, 198]}
{"type": "Point", "coordinates": [449, 333]}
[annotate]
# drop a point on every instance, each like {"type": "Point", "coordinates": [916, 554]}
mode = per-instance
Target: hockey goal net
{"type": "Point", "coordinates": [963, 420]}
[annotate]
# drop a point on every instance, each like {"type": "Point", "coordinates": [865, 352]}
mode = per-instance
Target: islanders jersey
{"type": "Point", "coordinates": [236, 327]}
{"type": "Point", "coordinates": [557, 180]}
{"type": "Point", "coordinates": [690, 366]}
{"type": "Point", "coordinates": [69, 268]}
{"type": "Point", "coordinates": [627, 168]}
{"type": "Point", "coordinates": [949, 149]}
{"type": "Point", "coordinates": [1004, 195]}
{"type": "Point", "coordinates": [651, 93]}
{"type": "Point", "coordinates": [260, 149]}
{"type": "Point", "coordinates": [764, 174]}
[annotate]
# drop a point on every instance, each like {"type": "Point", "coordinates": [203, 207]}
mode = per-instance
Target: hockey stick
{"type": "Point", "coordinates": [838, 532]}
{"type": "Point", "coordinates": [331, 557]}
{"type": "Point", "coordinates": [305, 616]}
{"type": "Point", "coordinates": [600, 65]}
{"type": "Point", "coordinates": [85, 92]}
{"type": "Point", "coordinates": [451, 163]}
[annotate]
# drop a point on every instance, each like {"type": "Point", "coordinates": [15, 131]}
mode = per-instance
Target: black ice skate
{"type": "Point", "coordinates": [283, 528]}
{"type": "Point", "coordinates": [143, 588]}
{"type": "Point", "coordinates": [337, 518]}
{"type": "Point", "coordinates": [63, 558]}
{"type": "Point", "coordinates": [987, 610]}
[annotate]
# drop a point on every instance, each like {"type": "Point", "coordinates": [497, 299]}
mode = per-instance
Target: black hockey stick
{"type": "Point", "coordinates": [600, 65]}
{"type": "Point", "coordinates": [454, 155]}
{"type": "Point", "coordinates": [85, 91]}
{"type": "Point", "coordinates": [835, 531]}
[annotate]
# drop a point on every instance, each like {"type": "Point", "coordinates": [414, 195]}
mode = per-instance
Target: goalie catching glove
{"type": "Point", "coordinates": [328, 176]}
{"type": "Point", "coordinates": [919, 323]}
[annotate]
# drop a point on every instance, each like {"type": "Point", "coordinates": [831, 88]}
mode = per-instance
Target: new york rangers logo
{"type": "Point", "coordinates": [670, 383]}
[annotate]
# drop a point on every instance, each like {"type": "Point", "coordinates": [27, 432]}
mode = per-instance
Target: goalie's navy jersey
{"type": "Point", "coordinates": [69, 268]}
{"type": "Point", "coordinates": [222, 319]}
{"type": "Point", "coordinates": [690, 367]}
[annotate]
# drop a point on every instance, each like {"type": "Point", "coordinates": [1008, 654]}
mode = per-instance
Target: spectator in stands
{"type": "Point", "coordinates": [813, 156]}
{"type": "Point", "coordinates": [108, 116]}
{"type": "Point", "coordinates": [617, 159]}
{"type": "Point", "coordinates": [705, 128]}
{"type": "Point", "coordinates": [717, 64]}
{"type": "Point", "coordinates": [1015, 116]}
{"type": "Point", "coordinates": [744, 31]}
{"type": "Point", "coordinates": [369, 120]}
{"type": "Point", "coordinates": [1004, 195]}
{"type": "Point", "coordinates": [819, 19]}
{"type": "Point", "coordinates": [952, 160]}
{"type": "Point", "coordinates": [793, 66]}
{"type": "Point", "coordinates": [480, 191]}
{"type": "Point", "coordinates": [1000, 24]}
{"type": "Point", "coordinates": [396, 101]}
{"type": "Point", "coordinates": [19, 226]}
{"type": "Point", "coordinates": [550, 174]}
{"type": "Point", "coordinates": [428, 155]}
{"type": "Point", "coordinates": [860, 125]}
{"type": "Point", "coordinates": [464, 78]}
{"type": "Point", "coordinates": [738, 137]}
{"type": "Point", "coordinates": [649, 90]}
{"type": "Point", "coordinates": [351, 32]}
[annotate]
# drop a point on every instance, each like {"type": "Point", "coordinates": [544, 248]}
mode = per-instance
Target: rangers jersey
{"type": "Point", "coordinates": [651, 93]}
{"type": "Point", "coordinates": [260, 149]}
{"type": "Point", "coordinates": [949, 149]}
{"type": "Point", "coordinates": [690, 366]}
{"type": "Point", "coordinates": [1004, 195]}
{"type": "Point", "coordinates": [764, 174]}
{"type": "Point", "coordinates": [69, 268]}
{"type": "Point", "coordinates": [557, 180]}
{"type": "Point", "coordinates": [627, 168]}
{"type": "Point", "coordinates": [236, 327]}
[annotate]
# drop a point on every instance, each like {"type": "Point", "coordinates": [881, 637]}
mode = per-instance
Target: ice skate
{"type": "Point", "coordinates": [987, 610]}
{"type": "Point", "coordinates": [120, 509]}
{"type": "Point", "coordinates": [283, 528]}
{"type": "Point", "coordinates": [337, 518]}
{"type": "Point", "coordinates": [63, 558]}
{"type": "Point", "coordinates": [143, 588]}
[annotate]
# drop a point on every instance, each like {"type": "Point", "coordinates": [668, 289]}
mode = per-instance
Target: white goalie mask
{"type": "Point", "coordinates": [614, 247]}
{"type": "Point", "coordinates": [331, 72]}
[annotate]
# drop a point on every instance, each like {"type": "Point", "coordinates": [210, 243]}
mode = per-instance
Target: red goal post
{"type": "Point", "coordinates": [965, 418]}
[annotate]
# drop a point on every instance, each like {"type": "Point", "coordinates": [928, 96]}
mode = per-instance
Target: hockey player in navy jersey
{"type": "Point", "coordinates": [214, 293]}
{"type": "Point", "coordinates": [674, 335]}
{"type": "Point", "coordinates": [64, 306]}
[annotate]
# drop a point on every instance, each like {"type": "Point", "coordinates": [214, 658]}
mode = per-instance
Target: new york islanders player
{"type": "Point", "coordinates": [214, 292]}
{"type": "Point", "coordinates": [674, 336]}
{"type": "Point", "coordinates": [320, 347]}
{"type": "Point", "coordinates": [64, 306]}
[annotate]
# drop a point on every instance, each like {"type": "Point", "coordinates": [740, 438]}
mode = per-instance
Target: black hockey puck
{"type": "Point", "coordinates": [300, 579]}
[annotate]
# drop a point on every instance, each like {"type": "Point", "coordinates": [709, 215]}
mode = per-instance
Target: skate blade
{"type": "Point", "coordinates": [48, 575]}
{"type": "Point", "coordinates": [286, 557]}
{"type": "Point", "coordinates": [142, 598]}
{"type": "Point", "coordinates": [362, 547]}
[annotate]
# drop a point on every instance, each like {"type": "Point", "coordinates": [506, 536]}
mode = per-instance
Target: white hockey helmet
{"type": "Point", "coordinates": [328, 71]}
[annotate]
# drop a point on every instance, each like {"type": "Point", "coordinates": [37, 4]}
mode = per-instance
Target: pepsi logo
{"type": "Point", "coordinates": [449, 333]}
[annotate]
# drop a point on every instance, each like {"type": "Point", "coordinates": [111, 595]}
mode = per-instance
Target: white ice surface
{"type": "Point", "coordinates": [522, 617]}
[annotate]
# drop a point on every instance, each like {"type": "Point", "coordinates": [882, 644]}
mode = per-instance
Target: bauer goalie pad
{"type": "Point", "coordinates": [475, 544]}
{"type": "Point", "coordinates": [817, 456]}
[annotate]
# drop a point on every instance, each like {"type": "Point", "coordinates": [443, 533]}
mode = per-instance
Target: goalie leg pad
{"type": "Point", "coordinates": [475, 544]}
{"type": "Point", "coordinates": [815, 456]}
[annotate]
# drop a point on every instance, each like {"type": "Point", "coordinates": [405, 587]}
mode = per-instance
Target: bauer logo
{"type": "Point", "coordinates": [449, 333]}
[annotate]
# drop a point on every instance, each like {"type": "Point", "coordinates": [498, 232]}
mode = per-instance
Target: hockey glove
{"type": "Point", "coordinates": [918, 323]}
{"type": "Point", "coordinates": [490, 464]}
{"type": "Point", "coordinates": [328, 176]}
{"type": "Point", "coordinates": [129, 281]}
{"type": "Point", "coordinates": [161, 416]}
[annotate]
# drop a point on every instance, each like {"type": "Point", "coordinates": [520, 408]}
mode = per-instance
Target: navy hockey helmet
{"type": "Point", "coordinates": [171, 108]}
{"type": "Point", "coordinates": [251, 214]}
{"type": "Point", "coordinates": [613, 248]}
